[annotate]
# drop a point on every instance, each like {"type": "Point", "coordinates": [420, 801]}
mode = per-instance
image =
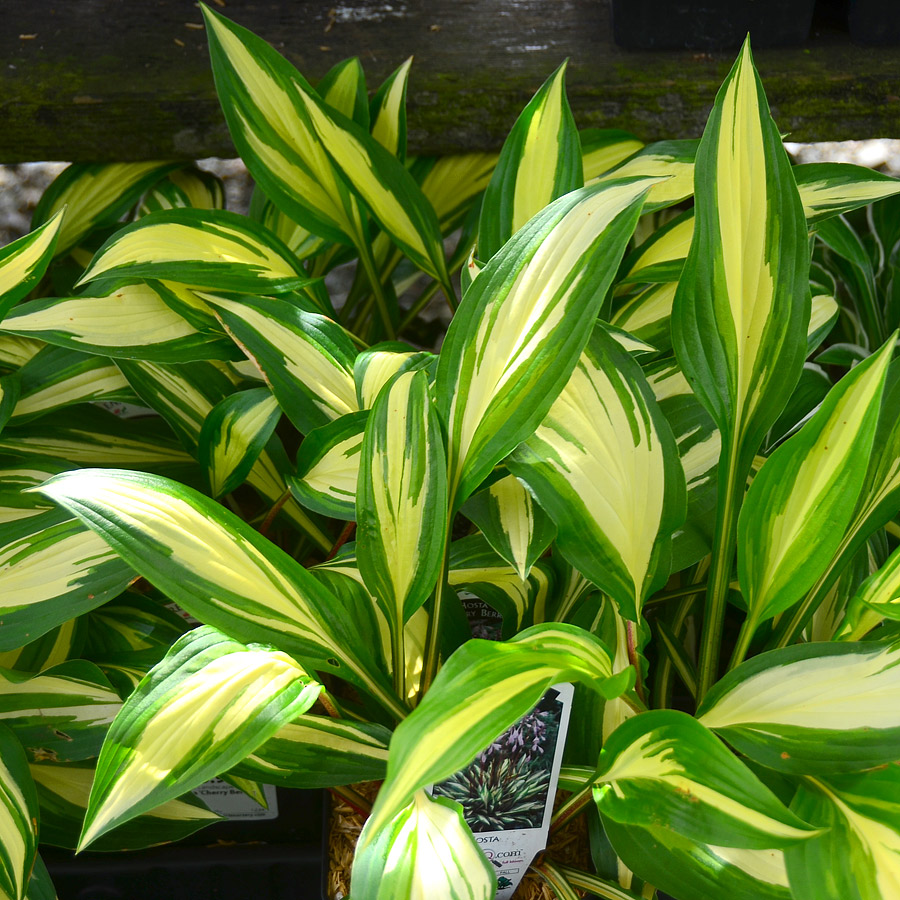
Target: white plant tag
{"type": "Point", "coordinates": [229, 801]}
{"type": "Point", "coordinates": [512, 831]}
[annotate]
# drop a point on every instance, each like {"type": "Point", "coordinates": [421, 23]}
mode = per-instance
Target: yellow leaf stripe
{"type": "Point", "coordinates": [399, 499]}
{"type": "Point", "coordinates": [540, 149]}
{"type": "Point", "coordinates": [17, 839]}
{"type": "Point", "coordinates": [176, 242]}
{"type": "Point", "coordinates": [134, 314]}
{"type": "Point", "coordinates": [355, 161]}
{"type": "Point", "coordinates": [80, 387]}
{"type": "Point", "coordinates": [250, 678]}
{"type": "Point", "coordinates": [533, 308]}
{"type": "Point", "coordinates": [16, 267]}
{"type": "Point", "coordinates": [652, 759]}
{"type": "Point", "coordinates": [839, 693]}
{"type": "Point", "coordinates": [91, 194]}
{"type": "Point", "coordinates": [742, 208]}
{"type": "Point", "coordinates": [516, 512]}
{"type": "Point", "coordinates": [35, 569]}
{"type": "Point", "coordinates": [880, 843]}
{"type": "Point", "coordinates": [332, 386]}
{"type": "Point", "coordinates": [337, 472]}
{"type": "Point", "coordinates": [310, 176]}
{"type": "Point", "coordinates": [614, 464]}
{"type": "Point", "coordinates": [384, 128]}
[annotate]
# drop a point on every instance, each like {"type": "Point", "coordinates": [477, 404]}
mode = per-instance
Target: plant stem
{"type": "Point", "coordinates": [572, 806]}
{"type": "Point", "coordinates": [665, 667]}
{"type": "Point", "coordinates": [270, 516]}
{"type": "Point", "coordinates": [431, 652]}
{"type": "Point", "coordinates": [748, 629]}
{"type": "Point", "coordinates": [419, 304]}
{"type": "Point", "coordinates": [634, 659]}
{"type": "Point", "coordinates": [330, 704]}
{"type": "Point", "coordinates": [731, 489]}
{"type": "Point", "coordinates": [690, 590]}
{"type": "Point", "coordinates": [398, 658]}
{"type": "Point", "coordinates": [368, 263]}
{"type": "Point", "coordinates": [342, 539]}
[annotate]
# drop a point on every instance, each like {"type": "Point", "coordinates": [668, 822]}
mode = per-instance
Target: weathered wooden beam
{"type": "Point", "coordinates": [130, 79]}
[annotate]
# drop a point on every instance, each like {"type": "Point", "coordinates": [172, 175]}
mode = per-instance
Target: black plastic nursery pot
{"type": "Point", "coordinates": [269, 859]}
{"type": "Point", "coordinates": [710, 24]}
{"type": "Point", "coordinates": [874, 22]}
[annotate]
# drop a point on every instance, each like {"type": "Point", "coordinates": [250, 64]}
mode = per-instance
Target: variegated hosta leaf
{"type": "Point", "coordinates": [208, 704]}
{"type": "Point", "coordinates": [184, 395]}
{"type": "Point", "coordinates": [57, 377]}
{"type": "Point", "coordinates": [384, 184]}
{"type": "Point", "coordinates": [647, 315]}
{"type": "Point", "coordinates": [425, 851]}
{"type": "Point", "coordinates": [60, 715]}
{"type": "Point", "coordinates": [823, 316]}
{"type": "Point", "coordinates": [91, 436]}
{"type": "Point", "coordinates": [881, 590]}
{"type": "Point", "coordinates": [516, 338]}
{"type": "Point", "coordinates": [302, 242]}
{"type": "Point", "coordinates": [375, 367]}
{"type": "Point", "coordinates": [216, 567]}
{"type": "Point", "coordinates": [401, 502]}
{"type": "Point", "coordinates": [452, 183]}
{"type": "Point", "coordinates": [187, 187]}
{"type": "Point", "coordinates": [59, 644]}
{"type": "Point", "coordinates": [476, 567]}
{"type": "Point", "coordinates": [699, 446]}
{"type": "Point", "coordinates": [513, 523]}
{"type": "Point", "coordinates": [211, 249]}
{"type": "Point", "coordinates": [328, 467]}
{"type": "Point", "coordinates": [16, 351]}
{"type": "Point", "coordinates": [482, 689]}
{"type": "Point", "coordinates": [307, 359]}
{"type": "Point", "coordinates": [319, 752]}
{"type": "Point", "coordinates": [52, 569]}
{"type": "Point", "coordinates": [831, 189]}
{"type": "Point", "coordinates": [10, 391]}
{"type": "Point", "coordinates": [811, 708]}
{"type": "Point", "coordinates": [661, 257]}
{"type": "Point", "coordinates": [665, 769]}
{"type": "Point", "coordinates": [801, 502]}
{"type": "Point", "coordinates": [858, 855]}
{"type": "Point", "coordinates": [540, 161]}
{"type": "Point", "coordinates": [604, 148]}
{"type": "Point", "coordinates": [63, 792]}
{"type": "Point", "coordinates": [343, 89]}
{"type": "Point", "coordinates": [18, 817]}
{"type": "Point", "coordinates": [24, 261]}
{"type": "Point", "coordinates": [134, 321]}
{"type": "Point", "coordinates": [233, 436]}
{"type": "Point", "coordinates": [257, 90]}
{"type": "Point", "coordinates": [134, 628]}
{"type": "Point", "coordinates": [604, 465]}
{"type": "Point", "coordinates": [94, 195]}
{"type": "Point", "coordinates": [387, 112]}
{"type": "Point", "coordinates": [670, 162]}
{"type": "Point", "coordinates": [686, 868]}
{"type": "Point", "coordinates": [741, 311]}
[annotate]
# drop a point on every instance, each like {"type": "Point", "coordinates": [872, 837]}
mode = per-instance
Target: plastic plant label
{"type": "Point", "coordinates": [229, 801]}
{"type": "Point", "coordinates": [125, 410]}
{"type": "Point", "coordinates": [507, 791]}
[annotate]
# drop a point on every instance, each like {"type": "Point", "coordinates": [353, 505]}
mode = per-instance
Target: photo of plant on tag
{"type": "Point", "coordinates": [507, 791]}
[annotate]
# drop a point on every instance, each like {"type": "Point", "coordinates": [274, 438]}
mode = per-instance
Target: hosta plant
{"type": "Point", "coordinates": [620, 447]}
